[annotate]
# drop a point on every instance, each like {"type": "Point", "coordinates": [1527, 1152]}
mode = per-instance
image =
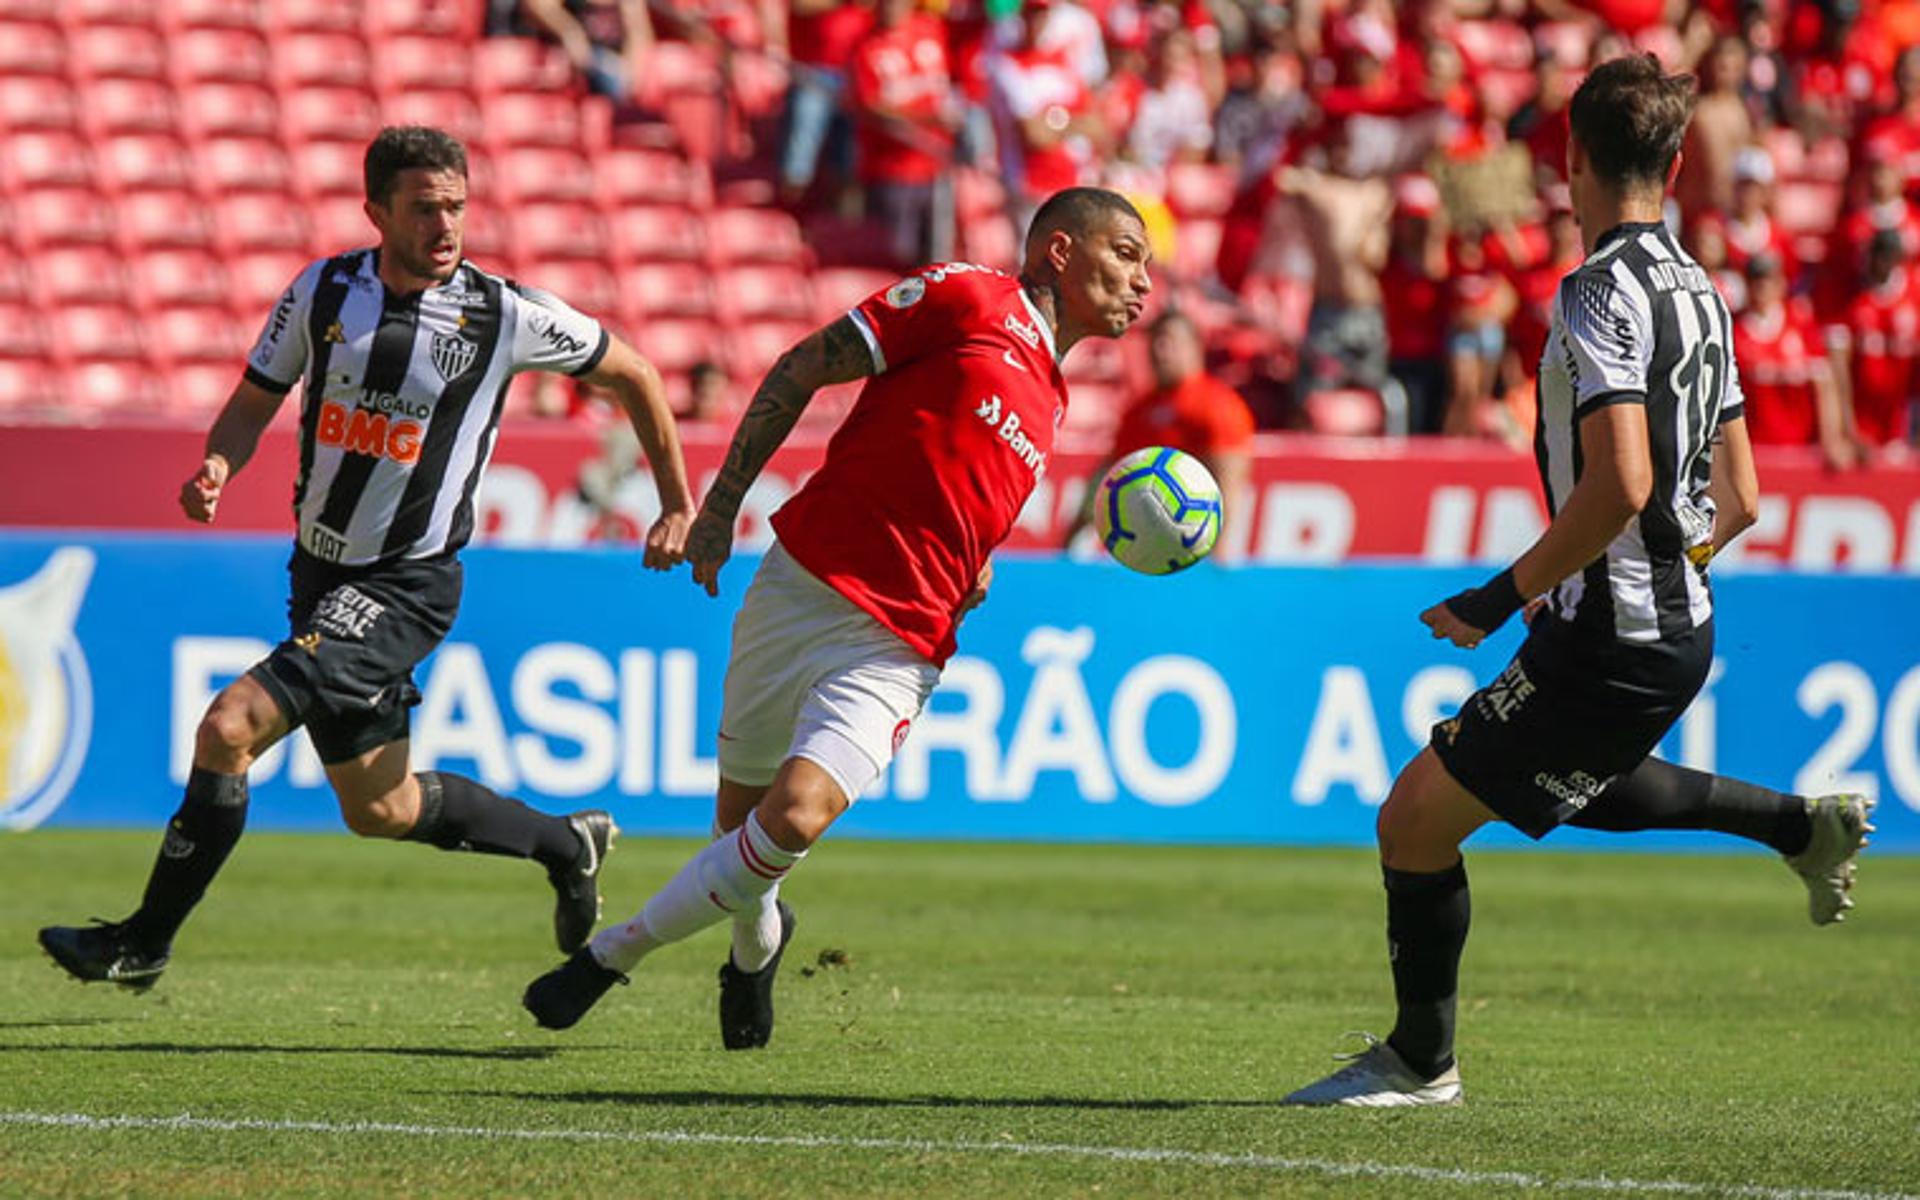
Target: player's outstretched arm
{"type": "Point", "coordinates": [230, 443]}
{"type": "Point", "coordinates": [636, 383]}
{"type": "Point", "coordinates": [1735, 486]}
{"type": "Point", "coordinates": [834, 354]}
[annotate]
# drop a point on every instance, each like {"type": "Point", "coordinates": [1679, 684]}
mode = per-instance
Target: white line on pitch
{"type": "Point", "coordinates": [1195, 1158]}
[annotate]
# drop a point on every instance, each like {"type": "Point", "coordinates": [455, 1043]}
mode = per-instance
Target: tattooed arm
{"type": "Point", "coordinates": [836, 354]}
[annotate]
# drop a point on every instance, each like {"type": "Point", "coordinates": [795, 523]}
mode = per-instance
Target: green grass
{"type": "Point", "coordinates": [1644, 1018]}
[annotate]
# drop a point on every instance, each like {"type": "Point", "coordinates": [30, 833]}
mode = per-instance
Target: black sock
{"type": "Point", "coordinates": [458, 814]}
{"type": "Point", "coordinates": [199, 838]}
{"type": "Point", "coordinates": [1427, 918]}
{"type": "Point", "coordinates": [1659, 795]}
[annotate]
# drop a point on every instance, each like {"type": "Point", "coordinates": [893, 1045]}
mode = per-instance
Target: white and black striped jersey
{"type": "Point", "coordinates": [1639, 322]}
{"type": "Point", "coordinates": [403, 397]}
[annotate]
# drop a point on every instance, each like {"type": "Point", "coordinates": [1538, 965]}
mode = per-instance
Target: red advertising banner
{"type": "Point", "coordinates": [1315, 500]}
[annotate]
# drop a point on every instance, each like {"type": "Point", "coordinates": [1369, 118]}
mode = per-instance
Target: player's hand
{"type": "Point", "coordinates": [708, 546]}
{"type": "Point", "coordinates": [200, 496]}
{"type": "Point", "coordinates": [667, 541]}
{"type": "Point", "coordinates": [1446, 625]}
{"type": "Point", "coordinates": [978, 596]}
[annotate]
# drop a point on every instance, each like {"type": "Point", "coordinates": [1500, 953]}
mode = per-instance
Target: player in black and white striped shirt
{"type": "Point", "coordinates": [1643, 452]}
{"type": "Point", "coordinates": [404, 351]}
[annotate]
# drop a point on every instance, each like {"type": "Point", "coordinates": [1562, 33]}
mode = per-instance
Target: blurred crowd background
{"type": "Point", "coordinates": [1358, 207]}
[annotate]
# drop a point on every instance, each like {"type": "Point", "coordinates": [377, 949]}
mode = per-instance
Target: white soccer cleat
{"type": "Point", "coordinates": [1826, 866]}
{"type": "Point", "coordinates": [1377, 1077]}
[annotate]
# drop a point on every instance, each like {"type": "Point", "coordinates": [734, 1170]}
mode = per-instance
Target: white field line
{"type": "Point", "coordinates": [1191, 1158]}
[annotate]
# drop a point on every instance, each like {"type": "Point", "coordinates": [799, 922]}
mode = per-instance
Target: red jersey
{"type": "Point", "coordinates": [1416, 311]}
{"type": "Point", "coordinates": [1538, 290]}
{"type": "Point", "coordinates": [930, 469]}
{"type": "Point", "coordinates": [1032, 83]}
{"type": "Point", "coordinates": [1881, 329]}
{"type": "Point", "coordinates": [826, 39]}
{"type": "Point", "coordinates": [902, 73]}
{"type": "Point", "coordinates": [1200, 415]}
{"type": "Point", "coordinates": [1747, 240]}
{"type": "Point", "coordinates": [1778, 353]}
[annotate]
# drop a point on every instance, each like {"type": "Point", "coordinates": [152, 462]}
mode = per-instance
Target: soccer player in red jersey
{"type": "Point", "coordinates": [843, 633]}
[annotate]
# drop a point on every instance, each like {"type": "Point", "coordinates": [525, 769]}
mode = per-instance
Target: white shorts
{"type": "Point", "coordinates": [814, 676]}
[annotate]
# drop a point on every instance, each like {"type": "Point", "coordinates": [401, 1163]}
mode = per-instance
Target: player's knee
{"type": "Point", "coordinates": [798, 810]}
{"type": "Point", "coordinates": [227, 736]}
{"type": "Point", "coordinates": [386, 815]}
{"type": "Point", "coordinates": [1406, 821]}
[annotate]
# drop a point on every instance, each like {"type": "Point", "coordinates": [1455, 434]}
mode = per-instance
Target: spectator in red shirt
{"type": "Point", "coordinates": [1791, 398]}
{"type": "Point", "coordinates": [1413, 291]}
{"type": "Point", "coordinates": [1895, 133]}
{"type": "Point", "coordinates": [904, 117]}
{"type": "Point", "coordinates": [1873, 347]}
{"type": "Point", "coordinates": [1541, 123]}
{"type": "Point", "coordinates": [1189, 410]}
{"type": "Point", "coordinates": [1043, 113]}
{"type": "Point", "coordinates": [1750, 227]}
{"type": "Point", "coordinates": [821, 35]}
{"type": "Point", "coordinates": [1535, 286]}
{"type": "Point", "coordinates": [1885, 207]}
{"type": "Point", "coordinates": [1479, 303]}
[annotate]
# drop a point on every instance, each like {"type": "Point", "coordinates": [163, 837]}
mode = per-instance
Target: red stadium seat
{"type": "Point", "coordinates": [637, 176]}
{"type": "Point", "coordinates": [676, 346]}
{"type": "Point", "coordinates": [161, 219]}
{"type": "Point", "coordinates": [488, 238]}
{"type": "Point", "coordinates": [755, 346]}
{"type": "Point", "coordinates": [1348, 412]}
{"type": "Point", "coordinates": [546, 173]}
{"type": "Point", "coordinates": [318, 16]}
{"type": "Point", "coordinates": [406, 64]}
{"type": "Point", "coordinates": [650, 234]}
{"type": "Point", "coordinates": [678, 68]}
{"type": "Point", "coordinates": [212, 14]}
{"type": "Point", "coordinates": [23, 332]}
{"type": "Point", "coordinates": [1505, 91]}
{"type": "Point", "coordinates": [197, 389]}
{"type": "Point", "coordinates": [262, 223]}
{"type": "Point", "coordinates": [1096, 360]}
{"type": "Point", "coordinates": [37, 102]}
{"type": "Point", "coordinates": [229, 110]}
{"type": "Point", "coordinates": [548, 232]}
{"type": "Point", "coordinates": [669, 290]}
{"type": "Point", "coordinates": [977, 193]}
{"type": "Point", "coordinates": [587, 286]}
{"type": "Point", "coordinates": [232, 165]}
{"type": "Point", "coordinates": [117, 52]}
{"type": "Point", "coordinates": [258, 279]}
{"type": "Point", "coordinates": [130, 162]}
{"type": "Point", "coordinates": [78, 274]}
{"type": "Point", "coordinates": [331, 114]}
{"type": "Point", "coordinates": [31, 48]}
{"type": "Point", "coordinates": [990, 242]}
{"type": "Point", "coordinates": [45, 159]}
{"type": "Point", "coordinates": [755, 235]}
{"type": "Point", "coordinates": [1196, 189]}
{"type": "Point", "coordinates": [171, 277]}
{"type": "Point", "coordinates": [1197, 246]}
{"type": "Point", "coordinates": [759, 84]}
{"type": "Point", "coordinates": [16, 284]}
{"type": "Point", "coordinates": [454, 112]}
{"type": "Point", "coordinates": [131, 106]}
{"type": "Point", "coordinates": [330, 168]}
{"type": "Point", "coordinates": [456, 20]}
{"type": "Point", "coordinates": [93, 388]}
{"type": "Point", "coordinates": [339, 223]}
{"type": "Point", "coordinates": [180, 334]}
{"type": "Point", "coordinates": [302, 60]}
{"type": "Point", "coordinates": [63, 217]}
{"type": "Point", "coordinates": [529, 119]}
{"type": "Point", "coordinates": [97, 331]}
{"type": "Point", "coordinates": [27, 384]}
{"type": "Point", "coordinates": [220, 56]}
{"type": "Point", "coordinates": [1807, 206]}
{"type": "Point", "coordinates": [77, 13]}
{"type": "Point", "coordinates": [837, 289]}
{"type": "Point", "coordinates": [1788, 150]}
{"type": "Point", "coordinates": [517, 64]}
{"type": "Point", "coordinates": [756, 293]}
{"type": "Point", "coordinates": [1094, 407]}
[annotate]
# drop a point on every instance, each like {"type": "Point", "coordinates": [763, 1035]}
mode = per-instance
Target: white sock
{"type": "Point", "coordinates": [728, 878]}
{"type": "Point", "coordinates": [756, 935]}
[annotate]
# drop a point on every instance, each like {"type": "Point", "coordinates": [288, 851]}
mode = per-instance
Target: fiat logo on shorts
{"type": "Point", "coordinates": [900, 734]}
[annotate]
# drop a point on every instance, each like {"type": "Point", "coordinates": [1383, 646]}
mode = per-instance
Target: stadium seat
{"type": "Point", "coordinates": [542, 173]}
{"type": "Point", "coordinates": [262, 222]}
{"type": "Point", "coordinates": [181, 334]}
{"type": "Point", "coordinates": [587, 286]}
{"type": "Point", "coordinates": [27, 384]}
{"type": "Point", "coordinates": [338, 223]}
{"type": "Point", "coordinates": [93, 389]}
{"type": "Point", "coordinates": [330, 114]}
{"type": "Point", "coordinates": [220, 56]}
{"type": "Point", "coordinates": [755, 346]}
{"type": "Point", "coordinates": [258, 279]}
{"type": "Point", "coordinates": [405, 64]}
{"type": "Point", "coordinates": [488, 239]}
{"type": "Point", "coordinates": [1505, 91]}
{"type": "Point", "coordinates": [669, 290]}
{"type": "Point", "coordinates": [318, 16]}
{"type": "Point", "coordinates": [77, 13]}
{"type": "Point", "coordinates": [675, 68]}
{"type": "Point", "coordinates": [16, 284]}
{"type": "Point", "coordinates": [529, 119]}
{"type": "Point", "coordinates": [45, 12]}
{"type": "Point", "coordinates": [990, 242]}
{"type": "Point", "coordinates": [518, 64]}
{"type": "Point", "coordinates": [1807, 206]}
{"type": "Point", "coordinates": [161, 219]}
{"type": "Point", "coordinates": [1198, 189]}
{"type": "Point", "coordinates": [211, 14]}
{"type": "Point", "coordinates": [63, 217]}
{"type": "Point", "coordinates": [455, 20]}
{"type": "Point", "coordinates": [1197, 246]}
{"type": "Point", "coordinates": [759, 84]}
{"type": "Point", "coordinates": [116, 52]}
{"type": "Point", "coordinates": [233, 165]}
{"type": "Point", "coordinates": [757, 293]}
{"type": "Point", "coordinates": [1096, 360]}
{"type": "Point", "coordinates": [1344, 412]}
{"type": "Point", "coordinates": [79, 274]}
{"type": "Point", "coordinates": [1788, 150]}
{"type": "Point", "coordinates": [171, 277]}
{"type": "Point", "coordinates": [131, 106]}
{"type": "Point", "coordinates": [637, 176]}
{"type": "Point", "coordinates": [85, 332]}
{"type": "Point", "coordinates": [454, 112]}
{"type": "Point", "coordinates": [37, 102]}
{"type": "Point", "coordinates": [23, 331]}
{"type": "Point", "coordinates": [229, 110]}
{"type": "Point", "coordinates": [549, 232]}
{"type": "Point", "coordinates": [330, 168]}
{"type": "Point", "coordinates": [45, 159]}
{"type": "Point", "coordinates": [1094, 407]}
{"type": "Point", "coordinates": [755, 235]}
{"type": "Point", "coordinates": [837, 289]}
{"type": "Point", "coordinates": [658, 234]}
{"type": "Point", "coordinates": [303, 60]}
{"type": "Point", "coordinates": [31, 48]}
{"type": "Point", "coordinates": [198, 389]}
{"type": "Point", "coordinates": [136, 161]}
{"type": "Point", "coordinates": [676, 346]}
{"type": "Point", "coordinates": [977, 193]}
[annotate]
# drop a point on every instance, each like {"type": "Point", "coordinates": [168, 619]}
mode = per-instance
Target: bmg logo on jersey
{"type": "Point", "coordinates": [46, 694]}
{"type": "Point", "coordinates": [365, 431]}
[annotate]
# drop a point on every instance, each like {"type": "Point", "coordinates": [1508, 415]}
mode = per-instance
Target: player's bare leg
{"type": "Point", "coordinates": [242, 723]}
{"type": "Point", "coordinates": [729, 876]}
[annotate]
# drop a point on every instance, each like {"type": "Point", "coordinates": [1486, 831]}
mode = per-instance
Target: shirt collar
{"type": "Point", "coordinates": [1626, 229]}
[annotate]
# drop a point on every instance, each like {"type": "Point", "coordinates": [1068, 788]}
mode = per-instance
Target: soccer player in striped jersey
{"type": "Point", "coordinates": [1643, 451]}
{"type": "Point", "coordinates": [405, 351]}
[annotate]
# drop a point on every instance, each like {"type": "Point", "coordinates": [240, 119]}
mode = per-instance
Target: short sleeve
{"type": "Point", "coordinates": [551, 335]}
{"type": "Point", "coordinates": [920, 314]}
{"type": "Point", "coordinates": [1608, 334]}
{"type": "Point", "coordinates": [280, 353]}
{"type": "Point", "coordinates": [1733, 400]}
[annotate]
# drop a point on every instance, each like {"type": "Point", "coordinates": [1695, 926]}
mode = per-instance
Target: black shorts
{"type": "Point", "coordinates": [1565, 718]}
{"type": "Point", "coordinates": [346, 673]}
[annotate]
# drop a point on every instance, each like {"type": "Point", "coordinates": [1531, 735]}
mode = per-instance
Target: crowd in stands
{"type": "Point", "coordinates": [1358, 205]}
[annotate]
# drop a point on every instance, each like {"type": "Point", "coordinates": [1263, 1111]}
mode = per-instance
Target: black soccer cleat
{"type": "Point", "coordinates": [577, 889]}
{"type": "Point", "coordinates": [563, 995]}
{"type": "Point", "coordinates": [746, 997]}
{"type": "Point", "coordinates": [103, 952]}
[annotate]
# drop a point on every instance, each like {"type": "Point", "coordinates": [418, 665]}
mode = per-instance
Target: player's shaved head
{"type": "Point", "coordinates": [1078, 211]}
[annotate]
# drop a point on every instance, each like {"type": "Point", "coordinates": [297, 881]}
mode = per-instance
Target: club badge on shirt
{"type": "Point", "coordinates": [452, 355]}
{"type": "Point", "coordinates": [906, 293]}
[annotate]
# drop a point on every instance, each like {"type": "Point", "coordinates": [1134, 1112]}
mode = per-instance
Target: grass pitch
{"type": "Point", "coordinates": [961, 1020]}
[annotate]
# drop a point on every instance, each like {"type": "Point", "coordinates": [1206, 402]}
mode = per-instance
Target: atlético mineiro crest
{"type": "Point", "coordinates": [452, 355]}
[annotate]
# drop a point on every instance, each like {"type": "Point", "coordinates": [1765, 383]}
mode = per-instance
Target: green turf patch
{"type": "Point", "coordinates": [342, 1018]}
